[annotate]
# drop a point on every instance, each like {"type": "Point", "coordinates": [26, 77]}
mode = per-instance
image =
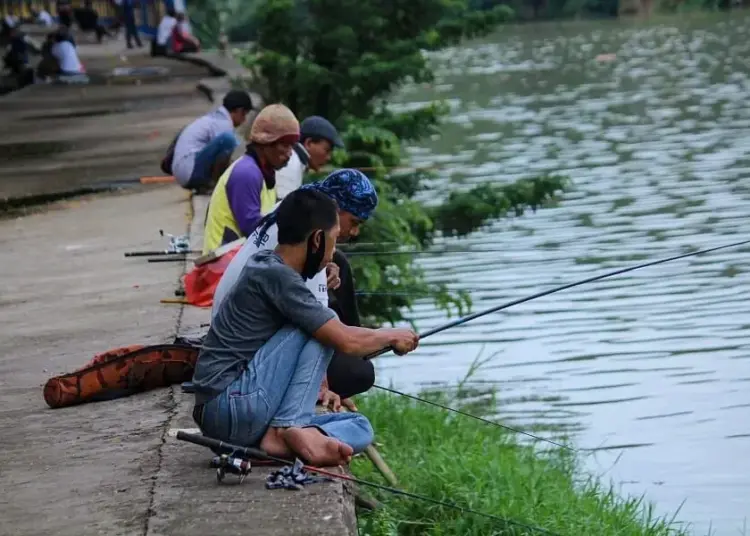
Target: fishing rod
{"type": "Point", "coordinates": [178, 257]}
{"type": "Point", "coordinates": [416, 252]}
{"type": "Point", "coordinates": [250, 452]}
{"type": "Point", "coordinates": [479, 314]}
{"type": "Point", "coordinates": [354, 244]}
{"type": "Point", "coordinates": [156, 252]}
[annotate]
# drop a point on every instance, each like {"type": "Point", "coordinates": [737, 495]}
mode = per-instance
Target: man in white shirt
{"type": "Point", "coordinates": [67, 57]}
{"type": "Point", "coordinates": [43, 18]}
{"type": "Point", "coordinates": [11, 20]}
{"type": "Point", "coordinates": [204, 148]}
{"type": "Point", "coordinates": [356, 199]}
{"type": "Point", "coordinates": [318, 137]}
{"type": "Point", "coordinates": [160, 44]}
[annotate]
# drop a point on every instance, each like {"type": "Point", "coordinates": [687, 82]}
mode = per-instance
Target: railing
{"type": "Point", "coordinates": [148, 13]}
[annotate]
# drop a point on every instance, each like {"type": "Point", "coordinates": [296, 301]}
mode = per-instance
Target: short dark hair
{"type": "Point", "coordinates": [237, 99]}
{"type": "Point", "coordinates": [302, 212]}
{"type": "Point", "coordinates": [315, 139]}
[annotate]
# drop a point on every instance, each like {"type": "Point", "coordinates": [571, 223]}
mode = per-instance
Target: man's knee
{"type": "Point", "coordinates": [226, 143]}
{"type": "Point", "coordinates": [363, 376]}
{"type": "Point", "coordinates": [349, 376]}
{"type": "Point", "coordinates": [365, 434]}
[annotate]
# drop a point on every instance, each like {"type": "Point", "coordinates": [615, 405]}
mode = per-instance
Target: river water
{"type": "Point", "coordinates": [653, 366]}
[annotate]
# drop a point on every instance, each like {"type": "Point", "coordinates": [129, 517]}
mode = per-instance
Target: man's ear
{"type": "Point", "coordinates": [316, 236]}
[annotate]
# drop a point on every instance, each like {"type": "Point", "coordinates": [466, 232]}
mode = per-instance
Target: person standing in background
{"type": "Point", "coordinates": [131, 30]}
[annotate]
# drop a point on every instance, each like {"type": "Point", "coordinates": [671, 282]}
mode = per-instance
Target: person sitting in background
{"type": "Point", "coordinates": [16, 58]}
{"type": "Point", "coordinates": [246, 191]}
{"type": "Point", "coordinates": [356, 199]}
{"type": "Point", "coordinates": [10, 21]}
{"type": "Point", "coordinates": [203, 149]}
{"type": "Point", "coordinates": [66, 55]}
{"type": "Point", "coordinates": [161, 44]}
{"type": "Point", "coordinates": [260, 370]}
{"type": "Point", "coordinates": [88, 20]}
{"type": "Point", "coordinates": [43, 18]}
{"type": "Point", "coordinates": [7, 25]}
{"type": "Point", "coordinates": [318, 137]}
{"type": "Point", "coordinates": [183, 41]}
{"type": "Point", "coordinates": [48, 66]}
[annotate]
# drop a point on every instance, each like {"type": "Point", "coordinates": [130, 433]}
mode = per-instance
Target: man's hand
{"type": "Point", "coordinates": [332, 269]}
{"type": "Point", "coordinates": [404, 341]}
{"type": "Point", "coordinates": [329, 399]}
{"type": "Point", "coordinates": [349, 404]}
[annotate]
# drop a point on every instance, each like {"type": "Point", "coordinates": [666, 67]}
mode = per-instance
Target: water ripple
{"type": "Point", "coordinates": [657, 144]}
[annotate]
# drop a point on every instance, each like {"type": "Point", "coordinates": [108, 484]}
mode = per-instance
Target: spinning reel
{"type": "Point", "coordinates": [226, 463]}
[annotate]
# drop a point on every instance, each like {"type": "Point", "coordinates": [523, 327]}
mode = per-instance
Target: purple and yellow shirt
{"type": "Point", "coordinates": [242, 196]}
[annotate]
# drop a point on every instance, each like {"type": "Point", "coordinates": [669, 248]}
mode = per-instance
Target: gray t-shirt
{"type": "Point", "coordinates": [268, 295]}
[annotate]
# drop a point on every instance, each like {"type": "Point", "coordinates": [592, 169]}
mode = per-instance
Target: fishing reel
{"type": "Point", "coordinates": [177, 244]}
{"type": "Point", "coordinates": [230, 464]}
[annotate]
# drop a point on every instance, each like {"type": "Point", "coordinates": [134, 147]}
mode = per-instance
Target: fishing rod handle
{"type": "Point", "coordinates": [378, 353]}
{"type": "Point", "coordinates": [144, 253]}
{"type": "Point", "coordinates": [168, 259]}
{"type": "Point", "coordinates": [221, 445]}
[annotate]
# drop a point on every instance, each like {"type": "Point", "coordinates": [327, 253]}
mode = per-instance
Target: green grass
{"type": "Point", "coordinates": [472, 464]}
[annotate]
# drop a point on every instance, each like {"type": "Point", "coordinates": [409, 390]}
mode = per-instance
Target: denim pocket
{"type": "Point", "coordinates": [249, 417]}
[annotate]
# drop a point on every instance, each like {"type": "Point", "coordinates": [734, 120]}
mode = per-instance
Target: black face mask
{"type": "Point", "coordinates": [314, 256]}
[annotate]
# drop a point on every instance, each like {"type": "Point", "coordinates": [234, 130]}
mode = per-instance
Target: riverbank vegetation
{"type": "Point", "coordinates": [342, 59]}
{"type": "Point", "coordinates": [472, 464]}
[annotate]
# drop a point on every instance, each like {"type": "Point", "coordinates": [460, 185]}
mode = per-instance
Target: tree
{"type": "Point", "coordinates": [342, 59]}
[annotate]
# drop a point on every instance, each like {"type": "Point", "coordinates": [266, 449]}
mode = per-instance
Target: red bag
{"type": "Point", "coordinates": [200, 283]}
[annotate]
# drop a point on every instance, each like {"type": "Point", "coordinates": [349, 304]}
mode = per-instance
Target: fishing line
{"type": "Point", "coordinates": [474, 316]}
{"type": "Point", "coordinates": [482, 419]}
{"type": "Point", "coordinates": [250, 452]}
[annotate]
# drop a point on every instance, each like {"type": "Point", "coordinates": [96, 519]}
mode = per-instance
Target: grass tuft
{"type": "Point", "coordinates": [485, 468]}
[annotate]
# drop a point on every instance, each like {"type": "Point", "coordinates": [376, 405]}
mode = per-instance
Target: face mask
{"type": "Point", "coordinates": [314, 257]}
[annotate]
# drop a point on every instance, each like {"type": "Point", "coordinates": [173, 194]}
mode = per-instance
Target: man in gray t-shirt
{"type": "Point", "coordinates": [266, 353]}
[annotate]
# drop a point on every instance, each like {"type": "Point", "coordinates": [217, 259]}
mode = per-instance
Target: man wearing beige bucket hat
{"type": "Point", "coordinates": [247, 189]}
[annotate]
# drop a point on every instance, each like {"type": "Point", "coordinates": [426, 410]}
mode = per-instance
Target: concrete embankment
{"type": "Point", "coordinates": [68, 293]}
{"type": "Point", "coordinates": [58, 138]}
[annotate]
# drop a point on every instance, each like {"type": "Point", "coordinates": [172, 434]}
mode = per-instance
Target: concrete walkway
{"type": "Point", "coordinates": [112, 467]}
{"type": "Point", "coordinates": [67, 293]}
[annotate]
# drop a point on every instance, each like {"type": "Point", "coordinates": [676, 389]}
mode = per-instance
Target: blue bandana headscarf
{"type": "Point", "coordinates": [351, 189]}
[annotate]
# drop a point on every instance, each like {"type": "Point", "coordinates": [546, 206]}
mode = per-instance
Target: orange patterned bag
{"type": "Point", "coordinates": [122, 372]}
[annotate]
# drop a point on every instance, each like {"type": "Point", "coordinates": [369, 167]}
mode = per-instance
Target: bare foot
{"type": "Point", "coordinates": [316, 448]}
{"type": "Point", "coordinates": [274, 445]}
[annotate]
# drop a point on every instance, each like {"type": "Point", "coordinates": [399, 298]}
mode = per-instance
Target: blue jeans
{"type": "Point", "coordinates": [279, 388]}
{"type": "Point", "coordinates": [222, 146]}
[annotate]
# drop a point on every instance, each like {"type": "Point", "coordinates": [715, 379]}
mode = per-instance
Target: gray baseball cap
{"type": "Point", "coordinates": [320, 127]}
